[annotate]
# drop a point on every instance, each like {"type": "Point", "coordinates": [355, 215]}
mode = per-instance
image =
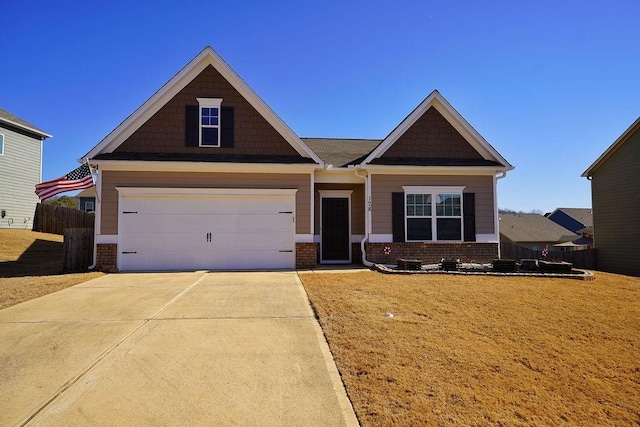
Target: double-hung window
{"type": "Point", "coordinates": [433, 214]}
{"type": "Point", "coordinates": [209, 122]}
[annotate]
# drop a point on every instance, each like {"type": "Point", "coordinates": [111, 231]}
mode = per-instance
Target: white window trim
{"type": "Point", "coordinates": [209, 103]}
{"type": "Point", "coordinates": [434, 191]}
{"type": "Point", "coordinates": [1, 144]}
{"type": "Point", "coordinates": [93, 206]}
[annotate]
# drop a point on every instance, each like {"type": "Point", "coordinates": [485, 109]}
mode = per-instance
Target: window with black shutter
{"type": "Point", "coordinates": [422, 214]}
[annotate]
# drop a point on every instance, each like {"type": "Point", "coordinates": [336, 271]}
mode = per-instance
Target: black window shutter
{"type": "Point", "coordinates": [192, 126]}
{"type": "Point", "coordinates": [469, 219]}
{"type": "Point", "coordinates": [397, 216]}
{"type": "Point", "coordinates": [227, 126]}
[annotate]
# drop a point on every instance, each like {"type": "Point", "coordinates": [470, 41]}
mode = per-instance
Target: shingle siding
{"type": "Point", "coordinates": [19, 173]}
{"type": "Point", "coordinates": [165, 131]}
{"type": "Point", "coordinates": [432, 136]}
{"type": "Point", "coordinates": [615, 188]}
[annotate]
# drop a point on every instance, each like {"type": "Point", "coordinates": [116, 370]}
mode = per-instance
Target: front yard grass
{"type": "Point", "coordinates": [483, 350]}
{"type": "Point", "coordinates": [31, 266]}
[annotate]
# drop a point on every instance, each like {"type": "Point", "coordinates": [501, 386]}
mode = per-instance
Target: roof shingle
{"type": "Point", "coordinates": [524, 227]}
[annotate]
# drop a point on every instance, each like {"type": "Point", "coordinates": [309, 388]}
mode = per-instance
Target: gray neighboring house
{"type": "Point", "coordinates": [615, 194]}
{"type": "Point", "coordinates": [87, 200]}
{"type": "Point", "coordinates": [20, 170]}
{"type": "Point", "coordinates": [534, 231]}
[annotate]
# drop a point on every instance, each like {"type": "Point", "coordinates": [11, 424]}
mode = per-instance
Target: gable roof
{"type": "Point", "coordinates": [437, 101]}
{"type": "Point", "coordinates": [341, 152]}
{"type": "Point", "coordinates": [582, 215]}
{"type": "Point", "coordinates": [13, 120]}
{"type": "Point", "coordinates": [208, 57]}
{"type": "Point", "coordinates": [527, 227]}
{"type": "Point", "coordinates": [612, 148]}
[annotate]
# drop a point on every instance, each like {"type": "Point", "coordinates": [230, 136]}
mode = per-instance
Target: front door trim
{"type": "Point", "coordinates": [335, 194]}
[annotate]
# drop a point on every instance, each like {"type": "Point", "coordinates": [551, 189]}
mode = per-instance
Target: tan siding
{"type": "Point", "coordinates": [357, 205]}
{"type": "Point", "coordinates": [19, 174]}
{"type": "Point", "coordinates": [165, 131]}
{"type": "Point", "coordinates": [384, 185]}
{"type": "Point", "coordinates": [112, 179]}
{"type": "Point", "coordinates": [616, 203]}
{"type": "Point", "coordinates": [433, 137]}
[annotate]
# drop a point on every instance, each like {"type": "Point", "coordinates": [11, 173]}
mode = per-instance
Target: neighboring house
{"type": "Point", "coordinates": [615, 195]}
{"type": "Point", "coordinates": [204, 175]}
{"type": "Point", "coordinates": [20, 170]}
{"type": "Point", "coordinates": [87, 200]}
{"type": "Point", "coordinates": [574, 219]}
{"type": "Point", "coordinates": [536, 232]}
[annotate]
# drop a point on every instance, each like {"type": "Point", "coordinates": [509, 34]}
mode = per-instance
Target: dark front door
{"type": "Point", "coordinates": [335, 229]}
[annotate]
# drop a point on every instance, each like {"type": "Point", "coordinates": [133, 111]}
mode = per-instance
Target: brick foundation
{"type": "Point", "coordinates": [306, 255]}
{"type": "Point", "coordinates": [431, 253]}
{"type": "Point", "coordinates": [107, 257]}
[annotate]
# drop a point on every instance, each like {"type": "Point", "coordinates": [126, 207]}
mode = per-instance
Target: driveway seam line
{"type": "Point", "coordinates": [102, 356]}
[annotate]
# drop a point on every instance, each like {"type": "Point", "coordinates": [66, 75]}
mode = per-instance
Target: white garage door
{"type": "Point", "coordinates": [212, 229]}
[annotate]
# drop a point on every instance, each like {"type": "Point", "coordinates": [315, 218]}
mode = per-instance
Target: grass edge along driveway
{"type": "Point", "coordinates": [483, 350]}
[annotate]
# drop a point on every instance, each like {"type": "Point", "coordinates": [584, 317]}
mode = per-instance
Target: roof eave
{"type": "Point", "coordinates": [33, 130]}
{"type": "Point", "coordinates": [612, 148]}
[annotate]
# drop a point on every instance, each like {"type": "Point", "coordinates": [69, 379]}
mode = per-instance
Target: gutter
{"type": "Point", "coordinates": [367, 216]}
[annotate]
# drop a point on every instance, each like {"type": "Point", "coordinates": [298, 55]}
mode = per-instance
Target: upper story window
{"type": "Point", "coordinates": [433, 214]}
{"type": "Point", "coordinates": [210, 122]}
{"type": "Point", "coordinates": [1, 144]}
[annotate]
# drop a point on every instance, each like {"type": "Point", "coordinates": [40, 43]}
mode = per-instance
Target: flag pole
{"type": "Point", "coordinates": [92, 177]}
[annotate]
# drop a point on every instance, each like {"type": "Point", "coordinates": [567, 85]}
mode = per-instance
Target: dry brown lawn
{"type": "Point", "coordinates": [31, 266]}
{"type": "Point", "coordinates": [483, 350]}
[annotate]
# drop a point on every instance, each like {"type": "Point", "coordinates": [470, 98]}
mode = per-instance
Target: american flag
{"type": "Point", "coordinates": [75, 180]}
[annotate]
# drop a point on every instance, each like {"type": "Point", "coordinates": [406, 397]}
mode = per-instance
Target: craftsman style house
{"type": "Point", "coordinates": [615, 187]}
{"type": "Point", "coordinates": [204, 175]}
{"type": "Point", "coordinates": [20, 170]}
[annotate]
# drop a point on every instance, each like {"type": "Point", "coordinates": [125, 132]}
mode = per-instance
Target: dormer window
{"type": "Point", "coordinates": [210, 122]}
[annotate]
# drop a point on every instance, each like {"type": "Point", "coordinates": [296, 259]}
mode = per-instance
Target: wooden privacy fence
{"type": "Point", "coordinates": [78, 249]}
{"type": "Point", "coordinates": [580, 259]}
{"type": "Point", "coordinates": [55, 219]}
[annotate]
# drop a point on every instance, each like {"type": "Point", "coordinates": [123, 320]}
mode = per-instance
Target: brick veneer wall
{"type": "Point", "coordinates": [107, 257]}
{"type": "Point", "coordinates": [431, 253]}
{"type": "Point", "coordinates": [356, 253]}
{"type": "Point", "coordinates": [306, 255]}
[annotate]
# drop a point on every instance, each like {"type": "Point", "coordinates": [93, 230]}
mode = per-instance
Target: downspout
{"type": "Point", "coordinates": [495, 207]}
{"type": "Point", "coordinates": [367, 214]}
{"type": "Point", "coordinates": [97, 219]}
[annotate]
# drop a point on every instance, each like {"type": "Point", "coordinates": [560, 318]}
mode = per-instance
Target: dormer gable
{"type": "Point", "coordinates": [435, 134]}
{"type": "Point", "coordinates": [207, 101]}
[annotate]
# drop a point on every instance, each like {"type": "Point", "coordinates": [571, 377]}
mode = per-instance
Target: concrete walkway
{"type": "Point", "coordinates": [170, 349]}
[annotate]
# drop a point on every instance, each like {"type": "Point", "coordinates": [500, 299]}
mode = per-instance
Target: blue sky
{"type": "Point", "coordinates": [549, 84]}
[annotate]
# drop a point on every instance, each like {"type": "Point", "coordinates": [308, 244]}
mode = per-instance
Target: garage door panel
{"type": "Point", "coordinates": [174, 222]}
{"type": "Point", "coordinates": [203, 205]}
{"type": "Point", "coordinates": [248, 241]}
{"type": "Point", "coordinates": [165, 241]}
{"type": "Point", "coordinates": [208, 232]}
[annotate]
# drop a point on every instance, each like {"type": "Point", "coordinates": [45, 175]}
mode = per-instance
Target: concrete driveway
{"type": "Point", "coordinates": [170, 349]}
